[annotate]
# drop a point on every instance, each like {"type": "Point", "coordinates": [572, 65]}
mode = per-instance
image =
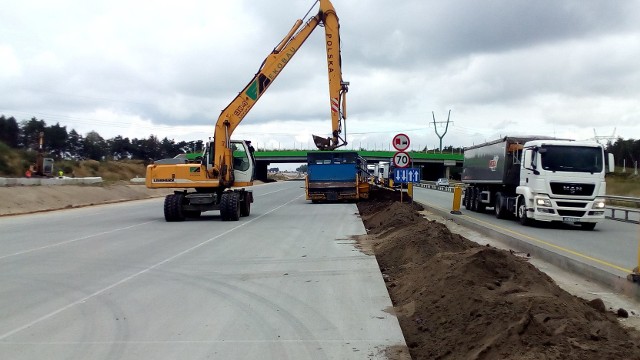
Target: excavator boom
{"type": "Point", "coordinates": [271, 67]}
{"type": "Point", "coordinates": [230, 163]}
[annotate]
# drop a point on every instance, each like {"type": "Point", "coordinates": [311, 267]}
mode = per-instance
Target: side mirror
{"type": "Point", "coordinates": [528, 161]}
{"type": "Point", "coordinates": [611, 162]}
{"type": "Point", "coordinates": [526, 158]}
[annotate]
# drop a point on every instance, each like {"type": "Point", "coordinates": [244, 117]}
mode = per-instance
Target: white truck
{"type": "Point", "coordinates": [535, 178]}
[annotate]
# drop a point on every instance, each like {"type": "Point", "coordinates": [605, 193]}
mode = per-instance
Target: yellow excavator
{"type": "Point", "coordinates": [227, 166]}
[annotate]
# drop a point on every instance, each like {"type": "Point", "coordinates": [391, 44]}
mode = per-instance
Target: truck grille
{"type": "Point", "coordinates": [572, 189]}
{"type": "Point", "coordinates": [572, 213]}
{"type": "Point", "coordinates": [571, 204]}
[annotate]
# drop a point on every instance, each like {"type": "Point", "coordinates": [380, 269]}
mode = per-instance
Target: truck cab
{"type": "Point", "coordinates": [562, 181]}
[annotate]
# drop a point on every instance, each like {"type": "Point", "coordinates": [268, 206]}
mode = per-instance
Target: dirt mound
{"type": "Point", "coordinates": [456, 299]}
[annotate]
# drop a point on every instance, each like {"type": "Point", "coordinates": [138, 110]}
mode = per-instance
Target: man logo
{"type": "Point", "coordinates": [572, 189]}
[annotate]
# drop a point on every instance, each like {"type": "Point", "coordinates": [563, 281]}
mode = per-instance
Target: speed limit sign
{"type": "Point", "coordinates": [401, 159]}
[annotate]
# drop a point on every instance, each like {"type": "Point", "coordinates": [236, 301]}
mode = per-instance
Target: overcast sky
{"type": "Point", "coordinates": [135, 68]}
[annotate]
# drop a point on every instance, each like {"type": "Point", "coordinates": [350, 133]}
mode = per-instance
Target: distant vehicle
{"type": "Point", "coordinates": [442, 182]}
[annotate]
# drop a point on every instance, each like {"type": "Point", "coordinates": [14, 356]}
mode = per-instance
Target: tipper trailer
{"type": "Point", "coordinates": [336, 175]}
{"type": "Point", "coordinates": [537, 178]}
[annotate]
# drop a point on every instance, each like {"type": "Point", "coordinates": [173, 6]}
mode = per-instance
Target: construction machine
{"type": "Point", "coordinates": [227, 165]}
{"type": "Point", "coordinates": [43, 167]}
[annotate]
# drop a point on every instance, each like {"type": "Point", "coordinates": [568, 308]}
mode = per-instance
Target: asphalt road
{"type": "Point", "coordinates": [118, 282]}
{"type": "Point", "coordinates": [612, 246]}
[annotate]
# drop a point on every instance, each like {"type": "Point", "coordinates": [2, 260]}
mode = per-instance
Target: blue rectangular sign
{"type": "Point", "coordinates": [407, 175]}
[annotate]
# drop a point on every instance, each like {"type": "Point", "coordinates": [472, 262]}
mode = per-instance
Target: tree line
{"type": "Point", "coordinates": [62, 144]}
{"type": "Point", "coordinates": [626, 152]}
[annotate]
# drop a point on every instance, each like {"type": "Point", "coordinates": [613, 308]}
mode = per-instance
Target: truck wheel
{"type": "Point", "coordinates": [465, 199]}
{"type": "Point", "coordinates": [588, 226]}
{"type": "Point", "coordinates": [499, 207]}
{"type": "Point", "coordinates": [475, 201]}
{"type": "Point", "coordinates": [522, 213]}
{"type": "Point", "coordinates": [173, 207]}
{"type": "Point", "coordinates": [230, 206]}
{"type": "Point", "coordinates": [245, 206]}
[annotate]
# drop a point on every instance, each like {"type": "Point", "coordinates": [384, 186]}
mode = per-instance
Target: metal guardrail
{"type": "Point", "coordinates": [619, 213]}
{"type": "Point", "coordinates": [626, 214]}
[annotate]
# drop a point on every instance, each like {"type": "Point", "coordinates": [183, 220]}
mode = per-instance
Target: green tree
{"type": "Point", "coordinates": [168, 149]}
{"type": "Point", "coordinates": [30, 133]}
{"type": "Point", "coordinates": [55, 139]}
{"type": "Point", "coordinates": [95, 147]}
{"type": "Point", "coordinates": [146, 149]}
{"type": "Point", "coordinates": [9, 131]}
{"type": "Point", "coordinates": [119, 147]}
{"type": "Point", "coordinates": [75, 144]}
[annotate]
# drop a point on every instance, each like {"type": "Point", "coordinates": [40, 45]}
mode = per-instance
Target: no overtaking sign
{"type": "Point", "coordinates": [401, 142]}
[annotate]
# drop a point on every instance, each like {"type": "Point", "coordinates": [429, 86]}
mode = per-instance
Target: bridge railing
{"type": "Point", "coordinates": [620, 208]}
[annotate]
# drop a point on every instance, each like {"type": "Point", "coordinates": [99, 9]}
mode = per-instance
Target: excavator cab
{"type": "Point", "coordinates": [244, 163]}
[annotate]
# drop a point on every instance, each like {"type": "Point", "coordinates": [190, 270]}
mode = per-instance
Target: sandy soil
{"type": "Point", "coordinates": [456, 299]}
{"type": "Point", "coordinates": [29, 199]}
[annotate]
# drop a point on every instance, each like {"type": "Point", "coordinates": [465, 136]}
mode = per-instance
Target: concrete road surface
{"type": "Point", "coordinates": [118, 282]}
{"type": "Point", "coordinates": [612, 246]}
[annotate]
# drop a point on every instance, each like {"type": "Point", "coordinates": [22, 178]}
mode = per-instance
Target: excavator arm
{"type": "Point", "coordinates": [271, 67]}
{"type": "Point", "coordinates": [217, 170]}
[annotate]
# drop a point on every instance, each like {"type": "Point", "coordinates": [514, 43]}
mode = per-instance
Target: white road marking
{"type": "Point", "coordinates": [126, 279]}
{"type": "Point", "coordinates": [272, 192]}
{"type": "Point", "coordinates": [74, 240]}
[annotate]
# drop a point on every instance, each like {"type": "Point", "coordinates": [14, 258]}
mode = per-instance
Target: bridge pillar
{"type": "Point", "coordinates": [261, 170]}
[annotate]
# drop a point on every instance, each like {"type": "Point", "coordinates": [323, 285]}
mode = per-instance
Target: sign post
{"type": "Point", "coordinates": [401, 159]}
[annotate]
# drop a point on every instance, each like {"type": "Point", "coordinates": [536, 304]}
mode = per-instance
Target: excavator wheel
{"type": "Point", "coordinates": [230, 206]}
{"type": "Point", "coordinates": [173, 207]}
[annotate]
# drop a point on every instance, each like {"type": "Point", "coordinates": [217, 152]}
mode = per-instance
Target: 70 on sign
{"type": "Point", "coordinates": [401, 159]}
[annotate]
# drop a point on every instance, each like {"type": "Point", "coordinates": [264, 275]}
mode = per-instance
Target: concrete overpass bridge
{"type": "Point", "coordinates": [433, 165]}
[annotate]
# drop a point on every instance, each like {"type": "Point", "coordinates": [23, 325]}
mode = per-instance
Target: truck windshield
{"type": "Point", "coordinates": [571, 158]}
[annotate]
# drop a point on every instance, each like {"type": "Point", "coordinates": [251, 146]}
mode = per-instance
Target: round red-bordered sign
{"type": "Point", "coordinates": [401, 159]}
{"type": "Point", "coordinates": [401, 142]}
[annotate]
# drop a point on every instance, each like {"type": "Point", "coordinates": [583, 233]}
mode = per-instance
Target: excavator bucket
{"type": "Point", "coordinates": [322, 143]}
